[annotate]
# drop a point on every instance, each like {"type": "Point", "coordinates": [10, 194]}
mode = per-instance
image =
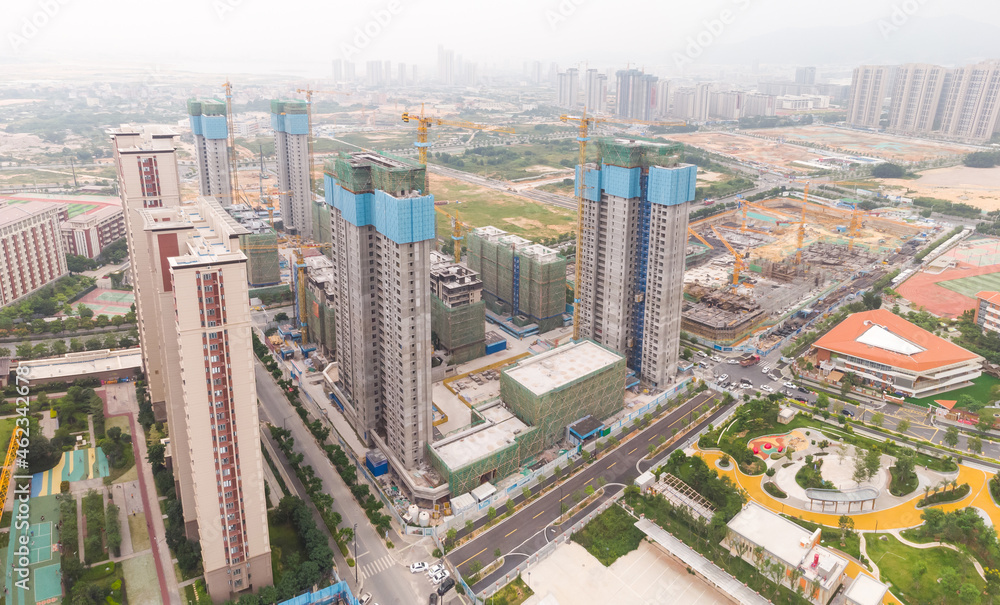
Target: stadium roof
{"type": "Point", "coordinates": [883, 337]}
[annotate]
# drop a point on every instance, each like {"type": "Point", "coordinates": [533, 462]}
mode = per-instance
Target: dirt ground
{"type": "Point", "coordinates": [747, 149]}
{"type": "Point", "coordinates": [979, 187]}
{"type": "Point", "coordinates": [886, 146]}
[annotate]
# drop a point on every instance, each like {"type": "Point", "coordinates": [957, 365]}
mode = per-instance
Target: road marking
{"type": "Point", "coordinates": [508, 535]}
{"type": "Point", "coordinates": [538, 515]}
{"type": "Point", "coordinates": [651, 438]}
{"type": "Point", "coordinates": [471, 558]}
{"type": "Point", "coordinates": [609, 468]}
{"type": "Point", "coordinates": [633, 449]}
{"type": "Point", "coordinates": [564, 497]}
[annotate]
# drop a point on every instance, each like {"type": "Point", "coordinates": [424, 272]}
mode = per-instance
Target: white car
{"type": "Point", "coordinates": [732, 362]}
{"type": "Point", "coordinates": [435, 568]}
{"type": "Point", "coordinates": [766, 388]}
{"type": "Point", "coordinates": [418, 567]}
{"type": "Point", "coordinates": [789, 385]}
{"type": "Point", "coordinates": [702, 354]}
{"type": "Point", "coordinates": [765, 370]}
{"type": "Point", "coordinates": [440, 576]}
{"type": "Point", "coordinates": [716, 358]}
{"type": "Point", "coordinates": [363, 599]}
{"type": "Point", "coordinates": [724, 378]}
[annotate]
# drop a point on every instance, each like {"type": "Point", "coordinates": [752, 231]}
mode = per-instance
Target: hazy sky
{"type": "Point", "coordinates": [299, 36]}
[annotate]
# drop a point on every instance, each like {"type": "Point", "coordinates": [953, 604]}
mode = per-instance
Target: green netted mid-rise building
{"type": "Point", "coordinates": [319, 313]}
{"type": "Point", "coordinates": [520, 278]}
{"type": "Point", "coordinates": [552, 389]}
{"type": "Point", "coordinates": [262, 259]}
{"type": "Point", "coordinates": [458, 313]}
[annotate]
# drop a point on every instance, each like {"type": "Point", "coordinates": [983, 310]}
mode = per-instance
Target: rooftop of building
{"type": "Point", "coordinates": [499, 432]}
{"type": "Point", "coordinates": [131, 138]}
{"type": "Point", "coordinates": [454, 273]}
{"type": "Point", "coordinates": [97, 215]}
{"type": "Point", "coordinates": [865, 590]}
{"type": "Point", "coordinates": [524, 247]}
{"type": "Point", "coordinates": [15, 213]}
{"type": "Point", "coordinates": [554, 369]}
{"type": "Point", "coordinates": [789, 542]}
{"type": "Point", "coordinates": [990, 297]}
{"type": "Point", "coordinates": [83, 363]}
{"type": "Point", "coordinates": [211, 233]}
{"type": "Point", "coordinates": [883, 337]}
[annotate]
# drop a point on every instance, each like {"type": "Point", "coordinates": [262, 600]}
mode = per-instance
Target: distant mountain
{"type": "Point", "coordinates": [952, 40]}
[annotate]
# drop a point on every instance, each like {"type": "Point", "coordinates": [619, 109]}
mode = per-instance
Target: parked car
{"type": "Point", "coordinates": [801, 400]}
{"type": "Point", "coordinates": [433, 600]}
{"type": "Point", "coordinates": [847, 412]}
{"type": "Point", "coordinates": [746, 381]}
{"type": "Point", "coordinates": [435, 568]}
{"type": "Point", "coordinates": [804, 390]}
{"type": "Point", "coordinates": [363, 599]}
{"type": "Point", "coordinates": [724, 378]}
{"type": "Point", "coordinates": [418, 567]}
{"type": "Point", "coordinates": [774, 376]}
{"type": "Point", "coordinates": [716, 358]}
{"type": "Point", "coordinates": [789, 385]}
{"type": "Point", "coordinates": [439, 576]}
{"type": "Point", "coordinates": [446, 586]}
{"type": "Point", "coordinates": [765, 369]}
{"type": "Point", "coordinates": [766, 388]}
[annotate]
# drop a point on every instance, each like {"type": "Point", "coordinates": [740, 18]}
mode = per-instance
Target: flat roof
{"type": "Point", "coordinates": [883, 337]}
{"type": "Point", "coordinates": [14, 213]}
{"type": "Point", "coordinates": [84, 363]}
{"type": "Point", "coordinates": [501, 427]}
{"type": "Point", "coordinates": [866, 590]}
{"type": "Point", "coordinates": [556, 368]}
{"type": "Point", "coordinates": [989, 296]}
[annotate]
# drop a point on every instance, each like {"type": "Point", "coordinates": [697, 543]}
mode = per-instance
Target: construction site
{"type": "Point", "coordinates": [768, 261]}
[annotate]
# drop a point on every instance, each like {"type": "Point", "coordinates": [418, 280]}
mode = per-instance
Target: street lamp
{"type": "Point", "coordinates": [356, 564]}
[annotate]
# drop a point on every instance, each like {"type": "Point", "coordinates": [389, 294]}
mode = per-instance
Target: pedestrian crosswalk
{"type": "Point", "coordinates": [377, 566]}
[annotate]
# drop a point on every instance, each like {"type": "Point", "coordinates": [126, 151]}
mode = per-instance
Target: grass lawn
{"type": "Point", "coordinates": [6, 430]}
{"type": "Point", "coordinates": [284, 542]}
{"type": "Point", "coordinates": [558, 188]}
{"type": "Point", "coordinates": [831, 537]}
{"type": "Point", "coordinates": [610, 535]}
{"type": "Point", "coordinates": [902, 488]}
{"type": "Point", "coordinates": [914, 573]}
{"type": "Point", "coordinates": [514, 593]}
{"type": "Point", "coordinates": [139, 532]}
{"type": "Point", "coordinates": [481, 207]}
{"type": "Point", "coordinates": [523, 161]}
{"type": "Point", "coordinates": [93, 541]}
{"type": "Point", "coordinates": [978, 390]}
{"type": "Point", "coordinates": [972, 285]}
{"type": "Point", "coordinates": [140, 580]}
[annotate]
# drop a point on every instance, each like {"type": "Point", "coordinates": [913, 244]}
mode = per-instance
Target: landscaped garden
{"type": "Point", "coordinates": [610, 535]}
{"type": "Point", "coordinates": [933, 575]}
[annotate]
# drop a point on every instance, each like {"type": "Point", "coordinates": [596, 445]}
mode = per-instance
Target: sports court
{"type": "Point", "coordinates": [43, 555]}
{"type": "Point", "coordinates": [953, 291]}
{"type": "Point", "coordinates": [88, 463]}
{"type": "Point", "coordinates": [108, 302]}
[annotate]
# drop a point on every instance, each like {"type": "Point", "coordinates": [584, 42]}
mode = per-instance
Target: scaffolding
{"type": "Point", "coordinates": [638, 152]}
{"type": "Point", "coordinates": [320, 328]}
{"type": "Point", "coordinates": [598, 392]}
{"type": "Point", "coordinates": [262, 259]}
{"type": "Point", "coordinates": [461, 330]}
{"type": "Point", "coordinates": [321, 226]}
{"type": "Point", "coordinates": [398, 178]}
{"type": "Point", "coordinates": [520, 279]}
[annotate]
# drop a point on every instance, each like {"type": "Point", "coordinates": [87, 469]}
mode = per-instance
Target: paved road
{"type": "Point", "coordinates": [529, 529]}
{"type": "Point", "coordinates": [389, 583]}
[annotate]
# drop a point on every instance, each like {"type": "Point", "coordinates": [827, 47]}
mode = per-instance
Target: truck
{"type": "Point", "coordinates": [749, 360]}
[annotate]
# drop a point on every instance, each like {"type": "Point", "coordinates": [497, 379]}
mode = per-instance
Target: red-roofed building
{"type": "Point", "coordinates": [988, 310]}
{"type": "Point", "coordinates": [888, 352]}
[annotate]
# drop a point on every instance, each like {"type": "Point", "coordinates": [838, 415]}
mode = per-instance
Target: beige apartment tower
{"type": "Point", "coordinates": [869, 88]}
{"type": "Point", "coordinates": [916, 93]}
{"type": "Point", "coordinates": [194, 316]}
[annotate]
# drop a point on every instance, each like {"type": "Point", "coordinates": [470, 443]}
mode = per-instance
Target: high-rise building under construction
{"type": "Point", "coordinates": [632, 252]}
{"type": "Point", "coordinates": [524, 280]}
{"type": "Point", "coordinates": [290, 122]}
{"type": "Point", "coordinates": [211, 144]}
{"type": "Point", "coordinates": [382, 235]}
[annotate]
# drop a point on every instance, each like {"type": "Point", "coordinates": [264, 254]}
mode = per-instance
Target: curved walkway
{"type": "Point", "coordinates": [925, 545]}
{"type": "Point", "coordinates": [903, 516]}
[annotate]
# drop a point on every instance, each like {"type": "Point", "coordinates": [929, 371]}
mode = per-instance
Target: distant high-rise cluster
{"type": "Point", "coordinates": [961, 103]}
{"type": "Point", "coordinates": [805, 76]}
{"type": "Point", "coordinates": [636, 95]}
{"type": "Point", "coordinates": [569, 88]}
{"type": "Point", "coordinates": [595, 92]}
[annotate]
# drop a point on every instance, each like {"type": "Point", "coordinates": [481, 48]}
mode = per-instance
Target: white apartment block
{"type": "Point", "coordinates": [916, 95]}
{"type": "Point", "coordinates": [31, 248]}
{"type": "Point", "coordinates": [383, 235]}
{"type": "Point", "coordinates": [869, 89]}
{"type": "Point", "coordinates": [970, 102]}
{"type": "Point", "coordinates": [290, 123]}
{"type": "Point", "coordinates": [194, 318]}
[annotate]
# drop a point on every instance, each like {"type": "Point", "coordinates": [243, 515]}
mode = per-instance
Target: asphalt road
{"type": "Point", "coordinates": [529, 529]}
{"type": "Point", "coordinates": [392, 585]}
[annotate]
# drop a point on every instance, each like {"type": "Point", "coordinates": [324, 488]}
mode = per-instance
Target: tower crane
{"type": "Point", "coordinates": [456, 233]}
{"type": "Point", "coordinates": [700, 238]}
{"type": "Point", "coordinates": [424, 123]}
{"type": "Point", "coordinates": [801, 235]}
{"type": "Point", "coordinates": [584, 124]}
{"type": "Point", "coordinates": [745, 205]}
{"type": "Point", "coordinates": [234, 184]}
{"type": "Point", "coordinates": [309, 113]}
{"type": "Point", "coordinates": [739, 263]}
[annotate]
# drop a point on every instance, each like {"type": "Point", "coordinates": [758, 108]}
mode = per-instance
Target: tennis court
{"type": "Point", "coordinates": [43, 557]}
{"type": "Point", "coordinates": [978, 252]}
{"type": "Point", "coordinates": [47, 583]}
{"type": "Point", "coordinates": [108, 302]}
{"type": "Point", "coordinates": [40, 542]}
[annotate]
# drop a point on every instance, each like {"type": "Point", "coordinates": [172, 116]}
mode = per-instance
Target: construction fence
{"type": "Point", "coordinates": [461, 330]}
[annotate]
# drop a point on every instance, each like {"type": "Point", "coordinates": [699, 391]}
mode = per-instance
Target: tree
{"type": "Point", "coordinates": [975, 444]}
{"type": "Point", "coordinates": [23, 350]}
{"type": "Point", "coordinates": [846, 525]}
{"type": "Point", "coordinates": [968, 594]}
{"type": "Point", "coordinates": [497, 553]}
{"type": "Point", "coordinates": [903, 426]}
{"type": "Point", "coordinates": [59, 347]}
{"type": "Point", "coordinates": [111, 341]}
{"type": "Point", "coordinates": [860, 468]}
{"type": "Point", "coordinates": [84, 311]}
{"type": "Point", "coordinates": [281, 316]}
{"type": "Point", "coordinates": [155, 455]}
{"type": "Point", "coordinates": [951, 436]}
{"type": "Point", "coordinates": [985, 423]}
{"type": "Point", "coordinates": [822, 400]}
{"type": "Point", "coordinates": [950, 580]}
{"type": "Point", "coordinates": [878, 418]}
{"type": "Point", "coordinates": [492, 513]}
{"type": "Point", "coordinates": [40, 350]}
{"type": "Point", "coordinates": [93, 344]}
{"type": "Point", "coordinates": [873, 462]}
